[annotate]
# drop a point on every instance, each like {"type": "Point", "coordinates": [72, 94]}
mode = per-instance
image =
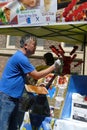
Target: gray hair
{"type": "Point", "coordinates": [26, 39]}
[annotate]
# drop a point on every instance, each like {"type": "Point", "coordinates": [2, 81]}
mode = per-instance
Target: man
{"type": "Point", "coordinates": [13, 81]}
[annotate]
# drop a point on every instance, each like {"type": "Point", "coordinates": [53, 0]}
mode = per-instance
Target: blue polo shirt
{"type": "Point", "coordinates": [13, 77]}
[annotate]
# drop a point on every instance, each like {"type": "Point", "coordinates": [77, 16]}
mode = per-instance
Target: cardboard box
{"type": "Point", "coordinates": [77, 84]}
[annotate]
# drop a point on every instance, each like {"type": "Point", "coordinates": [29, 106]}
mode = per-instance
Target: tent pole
{"type": "Point", "coordinates": [84, 51]}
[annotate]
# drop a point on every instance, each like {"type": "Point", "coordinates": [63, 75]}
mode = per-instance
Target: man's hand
{"type": "Point", "coordinates": [58, 66]}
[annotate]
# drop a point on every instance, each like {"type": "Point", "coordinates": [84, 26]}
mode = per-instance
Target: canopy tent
{"type": "Point", "coordinates": [73, 32]}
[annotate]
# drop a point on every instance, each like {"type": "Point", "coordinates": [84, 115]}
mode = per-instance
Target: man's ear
{"type": "Point", "coordinates": [25, 46]}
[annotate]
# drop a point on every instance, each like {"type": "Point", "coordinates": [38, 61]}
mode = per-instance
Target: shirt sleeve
{"type": "Point", "coordinates": [26, 65]}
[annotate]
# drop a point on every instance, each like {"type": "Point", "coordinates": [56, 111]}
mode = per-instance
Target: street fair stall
{"type": "Point", "coordinates": [56, 103]}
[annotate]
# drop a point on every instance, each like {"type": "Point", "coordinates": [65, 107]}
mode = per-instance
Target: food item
{"type": "Point", "coordinates": [62, 80]}
{"type": "Point", "coordinates": [48, 77]}
{"type": "Point", "coordinates": [36, 89]}
{"type": "Point", "coordinates": [2, 17]}
{"type": "Point", "coordinates": [47, 4]}
{"type": "Point", "coordinates": [29, 3]}
{"type": "Point", "coordinates": [7, 14]}
{"type": "Point", "coordinates": [33, 3]}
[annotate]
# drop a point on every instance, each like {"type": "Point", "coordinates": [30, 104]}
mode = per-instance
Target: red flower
{"type": "Point", "coordinates": [70, 17]}
{"type": "Point", "coordinates": [79, 17]}
{"type": "Point", "coordinates": [75, 12]}
{"type": "Point", "coordinates": [66, 19]}
{"type": "Point", "coordinates": [74, 2]}
{"type": "Point", "coordinates": [64, 14]}
{"type": "Point", "coordinates": [66, 10]}
{"type": "Point", "coordinates": [70, 6]}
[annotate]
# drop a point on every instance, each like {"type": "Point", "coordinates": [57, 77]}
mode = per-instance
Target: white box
{"type": "Point", "coordinates": [79, 110]}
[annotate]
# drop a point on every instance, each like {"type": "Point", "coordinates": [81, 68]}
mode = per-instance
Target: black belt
{"type": "Point", "coordinates": [11, 98]}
